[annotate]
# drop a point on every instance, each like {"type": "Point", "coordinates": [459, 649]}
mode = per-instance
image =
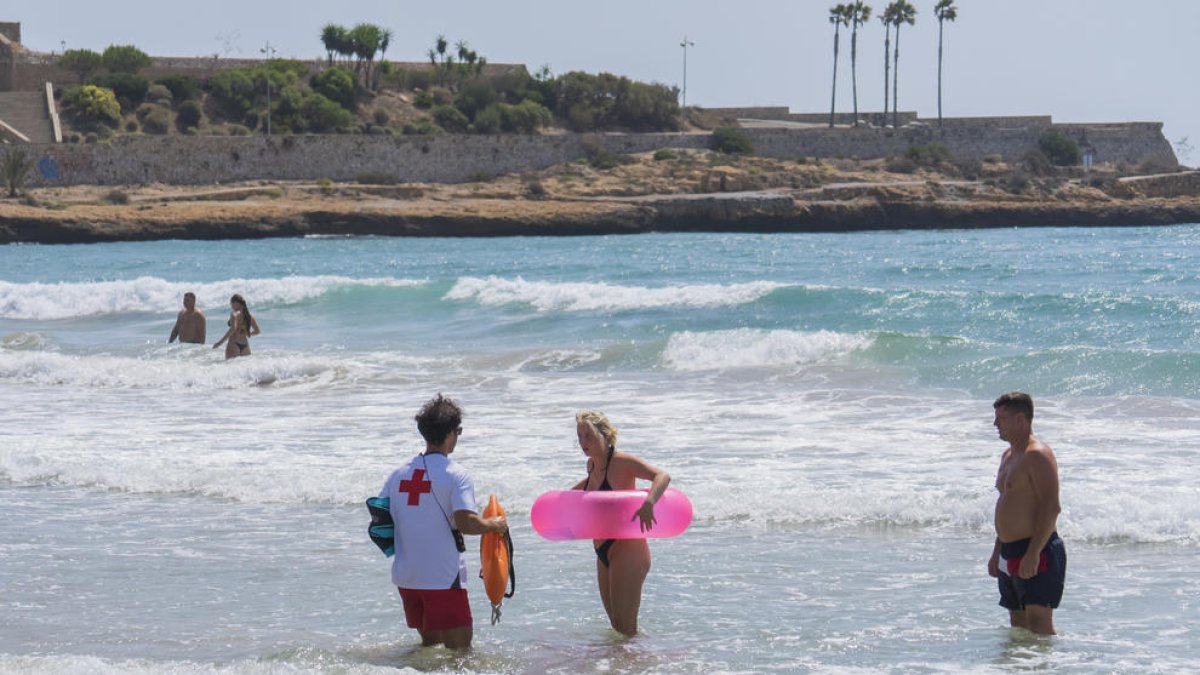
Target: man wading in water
{"type": "Point", "coordinates": [1028, 560]}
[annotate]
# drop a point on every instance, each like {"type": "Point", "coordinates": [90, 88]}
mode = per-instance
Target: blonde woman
{"type": "Point", "coordinates": [621, 564]}
{"type": "Point", "coordinates": [241, 327]}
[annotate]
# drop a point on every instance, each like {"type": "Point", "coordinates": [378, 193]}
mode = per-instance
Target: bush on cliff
{"type": "Point", "coordinates": [183, 87]}
{"type": "Point", "coordinates": [130, 89]}
{"type": "Point", "coordinates": [296, 111]}
{"type": "Point", "coordinates": [730, 141]}
{"type": "Point", "coordinates": [155, 119]}
{"type": "Point", "coordinates": [607, 102]}
{"type": "Point", "coordinates": [450, 118]}
{"type": "Point", "coordinates": [1062, 150]}
{"type": "Point", "coordinates": [929, 155]}
{"type": "Point", "coordinates": [474, 97]}
{"type": "Point", "coordinates": [336, 84]}
{"type": "Point", "coordinates": [92, 106]}
{"type": "Point", "coordinates": [189, 116]}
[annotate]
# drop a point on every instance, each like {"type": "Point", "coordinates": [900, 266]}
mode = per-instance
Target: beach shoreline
{"type": "Point", "coordinates": [746, 195]}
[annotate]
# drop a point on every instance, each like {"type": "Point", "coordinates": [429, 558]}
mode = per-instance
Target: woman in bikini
{"type": "Point", "coordinates": [241, 326]}
{"type": "Point", "coordinates": [621, 564]}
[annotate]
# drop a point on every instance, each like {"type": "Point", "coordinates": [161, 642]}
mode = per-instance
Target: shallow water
{"type": "Point", "coordinates": [823, 399]}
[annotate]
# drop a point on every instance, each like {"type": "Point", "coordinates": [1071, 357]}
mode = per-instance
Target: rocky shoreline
{"type": "Point", "coordinates": [627, 201]}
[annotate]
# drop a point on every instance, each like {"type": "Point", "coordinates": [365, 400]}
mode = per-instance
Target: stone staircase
{"type": "Point", "coordinates": [26, 112]}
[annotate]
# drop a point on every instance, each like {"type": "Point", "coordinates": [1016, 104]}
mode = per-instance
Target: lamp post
{"type": "Point", "coordinates": [270, 52]}
{"type": "Point", "coordinates": [685, 44]}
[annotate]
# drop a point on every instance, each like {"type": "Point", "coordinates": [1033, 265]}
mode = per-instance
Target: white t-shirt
{"type": "Point", "coordinates": [424, 495]}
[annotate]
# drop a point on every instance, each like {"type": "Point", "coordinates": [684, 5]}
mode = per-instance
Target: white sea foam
{"type": "Point", "coordinates": [581, 297]}
{"type": "Point", "coordinates": [752, 348]}
{"type": "Point", "coordinates": [41, 301]}
{"type": "Point", "coordinates": [70, 664]}
{"type": "Point", "coordinates": [197, 369]}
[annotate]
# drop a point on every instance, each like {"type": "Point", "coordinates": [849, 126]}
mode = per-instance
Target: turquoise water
{"type": "Point", "coordinates": [825, 400]}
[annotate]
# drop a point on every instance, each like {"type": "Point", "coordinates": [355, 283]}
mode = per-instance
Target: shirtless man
{"type": "Point", "coordinates": [1029, 560]}
{"type": "Point", "coordinates": [189, 326]}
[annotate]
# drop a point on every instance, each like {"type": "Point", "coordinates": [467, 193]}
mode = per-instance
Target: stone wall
{"type": "Point", "coordinates": [197, 160]}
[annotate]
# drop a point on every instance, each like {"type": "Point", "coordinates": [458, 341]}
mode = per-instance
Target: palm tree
{"type": "Point", "coordinates": [905, 14]}
{"type": "Point", "coordinates": [15, 167]}
{"type": "Point", "coordinates": [859, 13]}
{"type": "Point", "coordinates": [945, 11]}
{"type": "Point", "coordinates": [839, 17]}
{"type": "Point", "coordinates": [332, 36]}
{"type": "Point", "coordinates": [886, 20]}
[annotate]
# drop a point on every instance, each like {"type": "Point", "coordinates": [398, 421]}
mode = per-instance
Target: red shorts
{"type": "Point", "coordinates": [436, 609]}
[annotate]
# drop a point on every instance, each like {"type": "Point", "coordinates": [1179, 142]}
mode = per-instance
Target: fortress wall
{"type": "Point", "coordinates": [198, 160]}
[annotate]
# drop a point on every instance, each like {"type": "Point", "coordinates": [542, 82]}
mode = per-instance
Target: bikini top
{"type": "Point", "coordinates": [604, 486]}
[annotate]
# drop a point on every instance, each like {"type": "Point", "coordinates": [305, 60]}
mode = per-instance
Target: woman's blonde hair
{"type": "Point", "coordinates": [599, 424]}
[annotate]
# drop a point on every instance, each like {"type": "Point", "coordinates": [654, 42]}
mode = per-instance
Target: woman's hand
{"type": "Point", "coordinates": [646, 513]}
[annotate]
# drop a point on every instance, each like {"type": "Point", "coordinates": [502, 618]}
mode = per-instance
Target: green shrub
{"type": "Point", "coordinates": [475, 97]}
{"type": "Point", "coordinates": [422, 128]}
{"type": "Point", "coordinates": [480, 176]}
{"type": "Point", "coordinates": [124, 59]}
{"type": "Point", "coordinates": [338, 85]}
{"type": "Point", "coordinates": [155, 119]}
{"type": "Point", "coordinates": [130, 89]}
{"type": "Point", "coordinates": [381, 117]}
{"type": "Point", "coordinates": [423, 100]}
{"type": "Point", "coordinates": [325, 185]}
{"type": "Point", "coordinates": [605, 101]}
{"type": "Point", "coordinates": [929, 155]}
{"type": "Point", "coordinates": [323, 115]}
{"type": "Point", "coordinates": [233, 90]}
{"type": "Point", "coordinates": [183, 87]}
{"type": "Point", "coordinates": [376, 178]}
{"type": "Point", "coordinates": [490, 120]}
{"type": "Point", "coordinates": [1060, 149]}
{"type": "Point", "coordinates": [900, 165]}
{"type": "Point", "coordinates": [158, 93]}
{"type": "Point", "coordinates": [190, 115]}
{"type": "Point", "coordinates": [1037, 163]}
{"type": "Point", "coordinates": [664, 154]}
{"type": "Point", "coordinates": [730, 141]}
{"type": "Point", "coordinates": [117, 197]}
{"type": "Point", "coordinates": [526, 117]}
{"type": "Point", "coordinates": [450, 118]}
{"type": "Point", "coordinates": [94, 105]}
{"type": "Point", "coordinates": [131, 126]}
{"type": "Point", "coordinates": [237, 130]}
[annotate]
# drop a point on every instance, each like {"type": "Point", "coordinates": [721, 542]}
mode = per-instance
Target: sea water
{"type": "Point", "coordinates": [825, 401]}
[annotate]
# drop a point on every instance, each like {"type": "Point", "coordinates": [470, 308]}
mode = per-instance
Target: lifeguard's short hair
{"type": "Point", "coordinates": [437, 418]}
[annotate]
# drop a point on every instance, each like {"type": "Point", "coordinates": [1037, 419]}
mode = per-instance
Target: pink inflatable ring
{"type": "Point", "coordinates": [574, 514]}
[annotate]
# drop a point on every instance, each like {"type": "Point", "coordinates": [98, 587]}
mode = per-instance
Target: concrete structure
{"type": "Point", "coordinates": [198, 160]}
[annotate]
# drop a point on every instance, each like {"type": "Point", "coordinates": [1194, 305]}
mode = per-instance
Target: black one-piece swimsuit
{"type": "Point", "coordinates": [602, 549]}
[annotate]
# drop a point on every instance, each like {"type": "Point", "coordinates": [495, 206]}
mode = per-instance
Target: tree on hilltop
{"type": "Point", "coordinates": [125, 59]}
{"type": "Point", "coordinates": [335, 39]}
{"type": "Point", "coordinates": [902, 13]}
{"type": "Point", "coordinates": [839, 17]}
{"type": "Point", "coordinates": [887, 19]}
{"type": "Point", "coordinates": [859, 13]}
{"type": "Point", "coordinates": [945, 11]}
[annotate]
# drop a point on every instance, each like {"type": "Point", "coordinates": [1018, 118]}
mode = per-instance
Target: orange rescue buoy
{"type": "Point", "coordinates": [496, 561]}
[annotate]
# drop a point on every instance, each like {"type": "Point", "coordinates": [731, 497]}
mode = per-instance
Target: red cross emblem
{"type": "Point", "coordinates": [416, 487]}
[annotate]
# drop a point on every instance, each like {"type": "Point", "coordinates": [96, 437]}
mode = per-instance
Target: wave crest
{"type": "Point", "coordinates": [755, 348]}
{"type": "Point", "coordinates": [548, 296]}
{"type": "Point", "coordinates": [39, 301]}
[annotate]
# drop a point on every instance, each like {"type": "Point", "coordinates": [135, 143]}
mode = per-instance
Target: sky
{"type": "Point", "coordinates": [1077, 60]}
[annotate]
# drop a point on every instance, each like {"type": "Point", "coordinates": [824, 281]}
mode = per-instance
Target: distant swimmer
{"type": "Point", "coordinates": [621, 564]}
{"type": "Point", "coordinates": [242, 326]}
{"type": "Point", "coordinates": [432, 504]}
{"type": "Point", "coordinates": [190, 324]}
{"type": "Point", "coordinates": [1029, 560]}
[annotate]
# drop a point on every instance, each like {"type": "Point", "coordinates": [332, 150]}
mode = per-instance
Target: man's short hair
{"type": "Point", "coordinates": [437, 418]}
{"type": "Point", "coordinates": [1016, 401]}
